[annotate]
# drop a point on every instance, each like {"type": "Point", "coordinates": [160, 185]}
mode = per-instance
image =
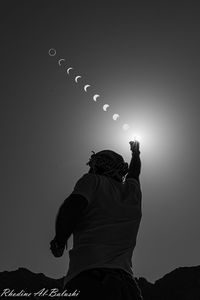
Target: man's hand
{"type": "Point", "coordinates": [56, 249]}
{"type": "Point", "coordinates": [134, 147]}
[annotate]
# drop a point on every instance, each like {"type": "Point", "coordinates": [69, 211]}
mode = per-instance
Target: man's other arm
{"type": "Point", "coordinates": [67, 218]}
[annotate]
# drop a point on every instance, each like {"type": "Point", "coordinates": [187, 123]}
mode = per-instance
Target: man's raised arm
{"type": "Point", "coordinates": [135, 164]}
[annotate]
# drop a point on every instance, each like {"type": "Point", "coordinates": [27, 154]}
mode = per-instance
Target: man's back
{"type": "Point", "coordinates": [106, 233]}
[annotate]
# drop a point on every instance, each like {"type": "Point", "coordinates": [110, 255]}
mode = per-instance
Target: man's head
{"type": "Point", "coordinates": [108, 163]}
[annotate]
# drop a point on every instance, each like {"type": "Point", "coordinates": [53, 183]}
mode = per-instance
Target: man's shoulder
{"type": "Point", "coordinates": [86, 186]}
{"type": "Point", "coordinates": [132, 181]}
{"type": "Point", "coordinates": [88, 178]}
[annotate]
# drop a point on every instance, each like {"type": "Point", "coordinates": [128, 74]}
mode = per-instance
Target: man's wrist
{"type": "Point", "coordinates": [136, 152]}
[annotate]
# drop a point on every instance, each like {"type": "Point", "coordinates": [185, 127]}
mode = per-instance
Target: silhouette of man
{"type": "Point", "coordinates": [103, 213]}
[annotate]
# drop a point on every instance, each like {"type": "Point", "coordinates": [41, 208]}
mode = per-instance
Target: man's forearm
{"type": "Point", "coordinates": [134, 167]}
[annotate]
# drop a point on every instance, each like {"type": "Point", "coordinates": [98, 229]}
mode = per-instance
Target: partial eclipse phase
{"type": "Point", "coordinates": [69, 69]}
{"type": "Point", "coordinates": [125, 126]}
{"type": "Point", "coordinates": [52, 52]}
{"type": "Point", "coordinates": [86, 87]}
{"type": "Point", "coordinates": [77, 78]}
{"type": "Point", "coordinates": [115, 117]}
{"type": "Point", "coordinates": [95, 97]}
{"type": "Point", "coordinates": [105, 107]}
{"type": "Point", "coordinates": [60, 60]}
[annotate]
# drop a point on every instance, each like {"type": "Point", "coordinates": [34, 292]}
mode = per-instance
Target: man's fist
{"type": "Point", "coordinates": [56, 249]}
{"type": "Point", "coordinates": [134, 146]}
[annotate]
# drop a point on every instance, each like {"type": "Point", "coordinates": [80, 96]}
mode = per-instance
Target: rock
{"type": "Point", "coordinates": [181, 284]}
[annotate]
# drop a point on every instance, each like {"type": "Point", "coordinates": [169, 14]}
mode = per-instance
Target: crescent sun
{"type": "Point", "coordinates": [68, 70]}
{"type": "Point", "coordinates": [105, 107]}
{"type": "Point", "coordinates": [95, 97]}
{"type": "Point", "coordinates": [86, 87]}
{"type": "Point", "coordinates": [125, 126]}
{"type": "Point", "coordinates": [77, 77]}
{"type": "Point", "coordinates": [115, 117]}
{"type": "Point", "coordinates": [59, 62]}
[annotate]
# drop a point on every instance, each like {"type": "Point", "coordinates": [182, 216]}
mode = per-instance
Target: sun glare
{"type": "Point", "coordinates": [137, 137]}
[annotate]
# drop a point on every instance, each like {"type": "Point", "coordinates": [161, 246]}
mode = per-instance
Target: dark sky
{"type": "Point", "coordinates": [142, 57]}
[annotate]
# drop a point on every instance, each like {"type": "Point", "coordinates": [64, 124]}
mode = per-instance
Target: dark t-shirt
{"type": "Point", "coordinates": [106, 233]}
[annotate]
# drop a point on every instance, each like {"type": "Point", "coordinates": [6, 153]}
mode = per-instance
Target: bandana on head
{"type": "Point", "coordinates": [108, 163]}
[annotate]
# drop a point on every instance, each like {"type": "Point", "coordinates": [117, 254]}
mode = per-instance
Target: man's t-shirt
{"type": "Point", "coordinates": [106, 233]}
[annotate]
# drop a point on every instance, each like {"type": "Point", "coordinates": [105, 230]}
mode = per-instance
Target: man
{"type": "Point", "coordinates": [103, 213]}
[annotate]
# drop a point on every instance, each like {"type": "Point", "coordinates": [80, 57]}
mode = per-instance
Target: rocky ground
{"type": "Point", "coordinates": [181, 284]}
